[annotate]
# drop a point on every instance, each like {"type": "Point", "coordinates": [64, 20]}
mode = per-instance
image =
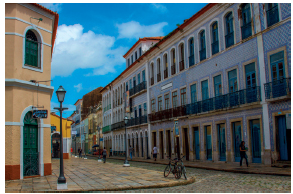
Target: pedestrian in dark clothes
{"type": "Point", "coordinates": [243, 153]}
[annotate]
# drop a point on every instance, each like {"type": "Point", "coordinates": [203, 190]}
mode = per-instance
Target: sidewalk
{"type": "Point", "coordinates": [222, 166]}
{"type": "Point", "coordinates": [90, 175]}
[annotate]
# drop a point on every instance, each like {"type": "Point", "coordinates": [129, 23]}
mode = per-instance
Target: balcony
{"type": "Point", "coordinates": [272, 16]}
{"type": "Point", "coordinates": [181, 65]}
{"type": "Point", "coordinates": [137, 121]}
{"type": "Point", "coordinates": [158, 77]}
{"type": "Point", "coordinates": [137, 89]}
{"type": "Point", "coordinates": [229, 39]}
{"type": "Point", "coordinates": [230, 100]}
{"type": "Point", "coordinates": [278, 89]}
{"type": "Point", "coordinates": [246, 30]}
{"type": "Point", "coordinates": [191, 60]}
{"type": "Point", "coordinates": [173, 69]}
{"type": "Point", "coordinates": [215, 47]}
{"type": "Point", "coordinates": [202, 54]}
{"type": "Point", "coordinates": [152, 81]}
{"type": "Point", "coordinates": [165, 73]}
{"type": "Point", "coordinates": [106, 129]}
{"type": "Point", "coordinates": [118, 125]}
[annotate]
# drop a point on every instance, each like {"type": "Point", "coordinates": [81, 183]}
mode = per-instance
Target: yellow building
{"type": "Point", "coordinates": [55, 136]}
{"type": "Point", "coordinates": [30, 32]}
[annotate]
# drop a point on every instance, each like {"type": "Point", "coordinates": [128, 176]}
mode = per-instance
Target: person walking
{"type": "Point", "coordinates": [71, 150]}
{"type": "Point", "coordinates": [110, 152]}
{"type": "Point", "coordinates": [130, 152]}
{"type": "Point", "coordinates": [104, 154]}
{"type": "Point", "coordinates": [155, 152]}
{"type": "Point", "coordinates": [80, 153]}
{"type": "Point", "coordinates": [243, 150]}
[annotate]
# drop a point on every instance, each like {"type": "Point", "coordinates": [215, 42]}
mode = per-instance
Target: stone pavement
{"type": "Point", "coordinates": [222, 166]}
{"type": "Point", "coordinates": [90, 175]}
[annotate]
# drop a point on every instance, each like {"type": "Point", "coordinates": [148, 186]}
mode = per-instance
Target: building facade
{"type": "Point", "coordinates": [76, 126]}
{"type": "Point", "coordinates": [30, 32]}
{"type": "Point", "coordinates": [223, 76]}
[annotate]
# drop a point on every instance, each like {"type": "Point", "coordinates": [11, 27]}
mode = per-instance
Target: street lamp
{"type": "Point", "coordinates": [61, 183]}
{"type": "Point", "coordinates": [126, 163]}
{"type": "Point", "coordinates": [84, 145]}
{"type": "Point", "coordinates": [99, 160]}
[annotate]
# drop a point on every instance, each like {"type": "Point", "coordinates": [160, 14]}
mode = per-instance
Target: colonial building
{"type": "Point", "coordinates": [30, 32]}
{"type": "Point", "coordinates": [76, 126]}
{"type": "Point", "coordinates": [223, 76]}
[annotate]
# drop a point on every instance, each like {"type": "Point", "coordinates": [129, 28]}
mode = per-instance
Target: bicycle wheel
{"type": "Point", "coordinates": [167, 170]}
{"type": "Point", "coordinates": [184, 172]}
{"type": "Point", "coordinates": [178, 172]}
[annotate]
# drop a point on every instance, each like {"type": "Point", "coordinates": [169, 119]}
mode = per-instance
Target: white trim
{"type": "Point", "coordinates": [36, 9]}
{"type": "Point", "coordinates": [13, 124]}
{"type": "Point", "coordinates": [46, 125]}
{"type": "Point", "coordinates": [21, 20]}
{"type": "Point", "coordinates": [29, 85]}
{"type": "Point", "coordinates": [16, 34]}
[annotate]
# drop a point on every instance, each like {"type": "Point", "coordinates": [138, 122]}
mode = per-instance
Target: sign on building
{"type": "Point", "coordinates": [53, 128]}
{"type": "Point", "coordinates": [176, 128]}
{"type": "Point", "coordinates": [40, 114]}
{"type": "Point", "coordinates": [73, 132]}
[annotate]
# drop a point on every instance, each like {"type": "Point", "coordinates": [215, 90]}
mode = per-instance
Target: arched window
{"type": "Point", "coordinates": [272, 13]}
{"type": "Point", "coordinates": [173, 67]}
{"type": "Point", "coordinates": [215, 38]}
{"type": "Point", "coordinates": [191, 51]}
{"type": "Point", "coordinates": [152, 74]}
{"type": "Point", "coordinates": [229, 30]}
{"type": "Point", "coordinates": [246, 21]}
{"type": "Point", "coordinates": [165, 66]}
{"type": "Point", "coordinates": [202, 42]}
{"type": "Point", "coordinates": [181, 57]}
{"type": "Point", "coordinates": [159, 70]}
{"type": "Point", "coordinates": [31, 49]}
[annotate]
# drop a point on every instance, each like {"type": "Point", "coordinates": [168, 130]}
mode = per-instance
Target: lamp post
{"type": "Point", "coordinates": [84, 145]}
{"type": "Point", "coordinates": [61, 183]}
{"type": "Point", "coordinates": [126, 163]}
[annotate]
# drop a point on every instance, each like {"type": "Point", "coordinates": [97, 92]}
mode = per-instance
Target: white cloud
{"type": "Point", "coordinates": [75, 49]}
{"type": "Point", "coordinates": [52, 6]}
{"type": "Point", "coordinates": [78, 87]}
{"type": "Point", "coordinates": [159, 7]}
{"type": "Point", "coordinates": [135, 30]}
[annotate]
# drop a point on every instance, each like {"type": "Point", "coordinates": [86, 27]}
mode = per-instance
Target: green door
{"type": "Point", "coordinates": [30, 146]}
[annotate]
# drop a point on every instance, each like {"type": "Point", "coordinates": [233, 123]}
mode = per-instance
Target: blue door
{"type": "Point", "coordinates": [256, 146]}
{"type": "Point", "coordinates": [208, 132]}
{"type": "Point", "coordinates": [282, 138]}
{"type": "Point", "coordinates": [237, 138]}
{"type": "Point", "coordinates": [222, 142]}
{"type": "Point", "coordinates": [196, 143]}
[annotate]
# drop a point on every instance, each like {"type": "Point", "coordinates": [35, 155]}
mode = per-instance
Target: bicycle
{"type": "Point", "coordinates": [174, 168]}
{"type": "Point", "coordinates": [183, 168]}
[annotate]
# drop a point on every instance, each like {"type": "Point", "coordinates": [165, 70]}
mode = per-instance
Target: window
{"type": "Point", "coordinates": [135, 112]}
{"type": "Point", "coordinates": [202, 52]}
{"type": "Point", "coordinates": [143, 75]}
{"type": "Point", "coordinates": [205, 89]}
{"type": "Point", "coordinates": [183, 96]}
{"type": "Point", "coordinates": [159, 70]}
{"type": "Point", "coordinates": [145, 109]}
{"type": "Point", "coordinates": [215, 38]}
{"type": "Point", "coordinates": [173, 67]}
{"type": "Point", "coordinates": [166, 66]}
{"type": "Point", "coordinates": [160, 105]}
{"type": "Point", "coordinates": [246, 21]}
{"type": "Point", "coordinates": [218, 85]}
{"type": "Point", "coordinates": [229, 30]}
{"type": "Point", "coordinates": [181, 63]}
{"type": "Point", "coordinates": [131, 59]}
{"type": "Point", "coordinates": [128, 62]}
{"type": "Point", "coordinates": [135, 55]}
{"type": "Point", "coordinates": [139, 110]}
{"type": "Point", "coordinates": [126, 86]}
{"type": "Point", "coordinates": [191, 52]}
{"type": "Point", "coordinates": [138, 78]}
{"type": "Point", "coordinates": [193, 93]}
{"type": "Point", "coordinates": [166, 101]}
{"type": "Point", "coordinates": [134, 82]}
{"type": "Point", "coordinates": [174, 99]}
{"type": "Point", "coordinates": [272, 14]}
{"type": "Point", "coordinates": [139, 51]}
{"type": "Point", "coordinates": [31, 49]}
{"type": "Point", "coordinates": [250, 75]}
{"type": "Point", "coordinates": [130, 84]}
{"type": "Point", "coordinates": [153, 105]}
{"type": "Point", "coordinates": [232, 76]}
{"type": "Point", "coordinates": [277, 66]}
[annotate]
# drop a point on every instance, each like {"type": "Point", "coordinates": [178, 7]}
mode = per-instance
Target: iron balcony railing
{"type": "Point", "coordinates": [229, 39]}
{"type": "Point", "coordinates": [141, 86]}
{"type": "Point", "coordinates": [230, 100]}
{"type": "Point", "coordinates": [165, 73]}
{"type": "Point", "coordinates": [158, 77]}
{"type": "Point", "coordinates": [202, 54]}
{"type": "Point", "coordinates": [106, 129]}
{"type": "Point", "coordinates": [278, 88]}
{"type": "Point", "coordinates": [273, 16]}
{"type": "Point", "coordinates": [246, 30]}
{"type": "Point", "coordinates": [181, 65]}
{"type": "Point", "coordinates": [173, 69]}
{"type": "Point", "coordinates": [118, 125]}
{"type": "Point", "coordinates": [137, 121]}
{"type": "Point", "coordinates": [191, 60]}
{"type": "Point", "coordinates": [215, 47]}
{"type": "Point", "coordinates": [152, 80]}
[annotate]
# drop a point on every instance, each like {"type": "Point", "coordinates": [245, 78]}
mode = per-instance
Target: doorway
{"type": "Point", "coordinates": [186, 144]}
{"type": "Point", "coordinates": [147, 145]}
{"type": "Point", "coordinates": [284, 139]}
{"type": "Point", "coordinates": [177, 145]}
{"type": "Point", "coordinates": [162, 144]}
{"type": "Point", "coordinates": [208, 132]}
{"type": "Point", "coordinates": [168, 143]}
{"type": "Point", "coordinates": [222, 141]}
{"type": "Point", "coordinates": [56, 145]}
{"type": "Point", "coordinates": [141, 140]}
{"type": "Point", "coordinates": [237, 138]}
{"type": "Point", "coordinates": [196, 142]}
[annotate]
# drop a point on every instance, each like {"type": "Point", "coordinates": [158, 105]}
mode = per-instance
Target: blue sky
{"type": "Point", "coordinates": [92, 39]}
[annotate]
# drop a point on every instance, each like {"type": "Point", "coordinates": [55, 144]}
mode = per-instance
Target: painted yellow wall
{"type": "Point", "coordinates": [66, 125]}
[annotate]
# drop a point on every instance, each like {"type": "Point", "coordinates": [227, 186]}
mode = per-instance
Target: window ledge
{"type": "Point", "coordinates": [38, 69]}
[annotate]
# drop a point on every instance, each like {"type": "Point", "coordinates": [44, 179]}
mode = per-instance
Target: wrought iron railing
{"type": "Point", "coordinates": [173, 69]}
{"type": "Point", "coordinates": [152, 80]}
{"type": "Point", "coordinates": [138, 88]}
{"type": "Point", "coordinates": [273, 16]}
{"type": "Point", "coordinates": [215, 47]}
{"type": "Point", "coordinates": [137, 121]}
{"type": "Point", "coordinates": [202, 54]}
{"type": "Point", "coordinates": [191, 60]}
{"type": "Point", "coordinates": [230, 100]}
{"type": "Point", "coordinates": [117, 125]}
{"type": "Point", "coordinates": [31, 163]}
{"type": "Point", "coordinates": [181, 65]}
{"type": "Point", "coordinates": [106, 129]}
{"type": "Point", "coordinates": [246, 30]}
{"type": "Point", "coordinates": [158, 77]}
{"type": "Point", "coordinates": [165, 73]}
{"type": "Point", "coordinates": [229, 39]}
{"type": "Point", "coordinates": [278, 88]}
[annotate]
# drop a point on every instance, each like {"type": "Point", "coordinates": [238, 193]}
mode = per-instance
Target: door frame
{"type": "Point", "coordinates": [199, 142]}
{"type": "Point", "coordinates": [218, 140]}
{"type": "Point", "coordinates": [232, 136]}
{"type": "Point", "coordinates": [181, 138]}
{"type": "Point", "coordinates": [205, 139]}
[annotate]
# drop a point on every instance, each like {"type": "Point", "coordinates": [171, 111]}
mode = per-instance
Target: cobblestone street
{"type": "Point", "coordinates": [218, 181]}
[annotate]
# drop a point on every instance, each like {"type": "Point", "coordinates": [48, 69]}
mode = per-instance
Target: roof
{"type": "Point", "coordinates": [55, 23]}
{"type": "Point", "coordinates": [59, 117]}
{"type": "Point", "coordinates": [77, 101]}
{"type": "Point", "coordinates": [179, 28]}
{"type": "Point", "coordinates": [141, 40]}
